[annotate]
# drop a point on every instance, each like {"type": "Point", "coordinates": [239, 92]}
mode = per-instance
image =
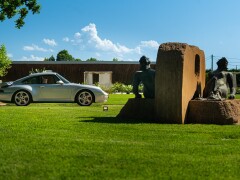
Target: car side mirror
{"type": "Point", "coordinates": [60, 82]}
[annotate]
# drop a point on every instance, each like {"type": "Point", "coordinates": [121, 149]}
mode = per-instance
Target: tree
{"type": "Point", "coordinates": [50, 59]}
{"type": "Point", "coordinates": [115, 59]}
{"type": "Point", "coordinates": [64, 56]}
{"type": "Point", "coordinates": [5, 62]}
{"type": "Point", "coordinates": [11, 8]}
{"type": "Point", "coordinates": [91, 59]}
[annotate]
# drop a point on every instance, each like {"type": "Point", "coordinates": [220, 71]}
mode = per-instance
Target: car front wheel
{"type": "Point", "coordinates": [22, 98]}
{"type": "Point", "coordinates": [85, 98]}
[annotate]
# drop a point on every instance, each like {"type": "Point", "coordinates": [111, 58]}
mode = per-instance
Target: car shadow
{"type": "Point", "coordinates": [116, 120]}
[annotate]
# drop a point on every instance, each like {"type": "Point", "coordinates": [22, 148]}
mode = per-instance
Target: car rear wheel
{"type": "Point", "coordinates": [85, 98]}
{"type": "Point", "coordinates": [22, 98]}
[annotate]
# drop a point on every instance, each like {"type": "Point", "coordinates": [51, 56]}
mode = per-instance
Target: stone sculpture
{"type": "Point", "coordinates": [179, 82]}
{"type": "Point", "coordinates": [212, 110]}
{"type": "Point", "coordinates": [219, 81]}
{"type": "Point", "coordinates": [146, 76]}
{"type": "Point", "coordinates": [180, 77]}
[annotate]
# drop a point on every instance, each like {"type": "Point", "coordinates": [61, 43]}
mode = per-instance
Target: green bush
{"type": "Point", "coordinates": [118, 88]}
{"type": "Point", "coordinates": [122, 88]}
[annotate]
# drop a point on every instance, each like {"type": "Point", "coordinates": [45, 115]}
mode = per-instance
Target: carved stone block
{"type": "Point", "coordinates": [138, 109]}
{"type": "Point", "coordinates": [180, 76]}
{"type": "Point", "coordinates": [214, 112]}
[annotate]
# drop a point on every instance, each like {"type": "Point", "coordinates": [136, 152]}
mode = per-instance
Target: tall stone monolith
{"type": "Point", "coordinates": [180, 77]}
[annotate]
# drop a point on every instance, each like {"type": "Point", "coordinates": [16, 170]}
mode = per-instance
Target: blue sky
{"type": "Point", "coordinates": [125, 29]}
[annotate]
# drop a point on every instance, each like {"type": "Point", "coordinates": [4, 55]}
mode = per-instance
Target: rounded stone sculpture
{"type": "Point", "coordinates": [219, 81]}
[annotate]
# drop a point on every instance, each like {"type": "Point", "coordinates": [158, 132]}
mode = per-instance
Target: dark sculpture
{"type": "Point", "coordinates": [146, 76]}
{"type": "Point", "coordinates": [219, 81]}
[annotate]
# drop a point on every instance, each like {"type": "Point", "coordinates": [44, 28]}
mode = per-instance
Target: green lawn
{"type": "Point", "coordinates": [66, 141]}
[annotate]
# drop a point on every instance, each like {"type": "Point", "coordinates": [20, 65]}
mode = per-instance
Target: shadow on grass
{"type": "Point", "coordinates": [116, 120]}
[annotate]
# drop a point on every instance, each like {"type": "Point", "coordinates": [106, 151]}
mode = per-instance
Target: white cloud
{"type": "Point", "coordinates": [138, 50]}
{"type": "Point", "coordinates": [77, 35]}
{"type": "Point", "coordinates": [34, 47]}
{"type": "Point", "coordinates": [31, 58]}
{"type": "Point", "coordinates": [130, 59]}
{"type": "Point", "coordinates": [90, 37]}
{"type": "Point", "coordinates": [66, 39]}
{"type": "Point", "coordinates": [50, 42]}
{"type": "Point", "coordinates": [89, 41]}
{"type": "Point", "coordinates": [98, 54]}
{"type": "Point", "coordinates": [150, 44]}
{"type": "Point", "coordinates": [9, 55]}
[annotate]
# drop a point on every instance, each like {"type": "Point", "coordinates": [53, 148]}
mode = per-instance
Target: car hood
{"type": "Point", "coordinates": [5, 84]}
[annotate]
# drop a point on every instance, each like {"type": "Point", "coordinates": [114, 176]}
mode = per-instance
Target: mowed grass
{"type": "Point", "coordinates": [67, 141]}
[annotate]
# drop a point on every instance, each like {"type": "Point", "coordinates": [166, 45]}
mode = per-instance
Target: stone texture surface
{"type": "Point", "coordinates": [214, 112]}
{"type": "Point", "coordinates": [176, 80]}
{"type": "Point", "coordinates": [138, 109]}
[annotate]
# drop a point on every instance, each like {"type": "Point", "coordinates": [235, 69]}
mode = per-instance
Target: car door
{"type": "Point", "coordinates": [51, 91]}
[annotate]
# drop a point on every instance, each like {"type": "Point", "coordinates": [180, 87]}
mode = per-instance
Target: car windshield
{"type": "Point", "coordinates": [62, 78]}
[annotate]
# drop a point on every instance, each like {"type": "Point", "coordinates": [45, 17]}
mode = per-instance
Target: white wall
{"type": "Point", "coordinates": [105, 78]}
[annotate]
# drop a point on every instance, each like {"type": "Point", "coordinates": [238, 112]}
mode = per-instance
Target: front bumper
{"type": "Point", "coordinates": [101, 98]}
{"type": "Point", "coordinates": [5, 96]}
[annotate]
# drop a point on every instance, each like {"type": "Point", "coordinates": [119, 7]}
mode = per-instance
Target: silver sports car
{"type": "Point", "coordinates": [49, 87]}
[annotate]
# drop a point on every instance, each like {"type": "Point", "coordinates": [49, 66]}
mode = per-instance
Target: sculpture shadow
{"type": "Point", "coordinates": [116, 120]}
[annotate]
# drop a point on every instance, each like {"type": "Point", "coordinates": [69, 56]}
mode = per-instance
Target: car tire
{"type": "Point", "coordinates": [85, 98]}
{"type": "Point", "coordinates": [22, 98]}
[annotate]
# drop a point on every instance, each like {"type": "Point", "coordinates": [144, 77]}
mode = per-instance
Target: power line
{"type": "Point", "coordinates": [230, 63]}
{"type": "Point", "coordinates": [226, 57]}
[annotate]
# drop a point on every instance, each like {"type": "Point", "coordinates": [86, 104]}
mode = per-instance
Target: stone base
{"type": "Point", "coordinates": [141, 108]}
{"type": "Point", "coordinates": [214, 112]}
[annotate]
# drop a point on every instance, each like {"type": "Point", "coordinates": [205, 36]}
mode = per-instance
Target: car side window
{"type": "Point", "coordinates": [49, 79]}
{"type": "Point", "coordinates": [32, 80]}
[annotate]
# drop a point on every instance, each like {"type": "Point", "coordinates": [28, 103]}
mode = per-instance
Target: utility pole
{"type": "Point", "coordinates": [212, 62]}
